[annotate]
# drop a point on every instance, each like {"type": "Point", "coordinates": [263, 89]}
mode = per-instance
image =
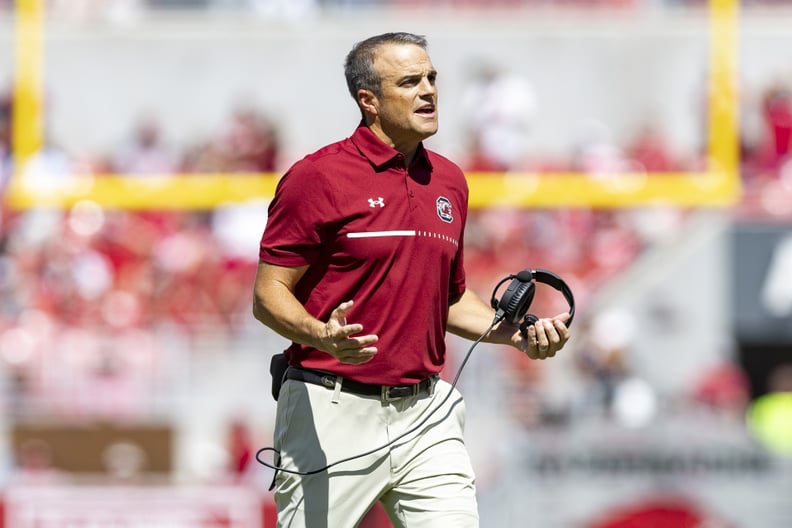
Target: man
{"type": "Point", "coordinates": [361, 266]}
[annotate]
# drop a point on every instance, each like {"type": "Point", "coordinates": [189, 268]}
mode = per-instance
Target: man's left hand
{"type": "Point", "coordinates": [545, 337]}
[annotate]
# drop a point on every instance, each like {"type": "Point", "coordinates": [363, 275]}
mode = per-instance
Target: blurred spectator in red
{"type": "Point", "coordinates": [649, 148]}
{"type": "Point", "coordinates": [240, 449]}
{"type": "Point", "coordinates": [500, 106]}
{"type": "Point", "coordinates": [613, 244]}
{"type": "Point", "coordinates": [777, 107]}
{"type": "Point", "coordinates": [251, 142]}
{"type": "Point", "coordinates": [478, 160]}
{"type": "Point", "coordinates": [207, 156]}
{"type": "Point", "coordinates": [595, 152]}
{"type": "Point", "coordinates": [146, 154]}
{"type": "Point", "coordinates": [231, 231]}
{"type": "Point", "coordinates": [773, 147]}
{"type": "Point", "coordinates": [723, 389]}
{"type": "Point", "coordinates": [184, 267]}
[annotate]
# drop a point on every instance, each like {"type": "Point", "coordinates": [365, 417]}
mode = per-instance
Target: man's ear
{"type": "Point", "coordinates": [368, 101]}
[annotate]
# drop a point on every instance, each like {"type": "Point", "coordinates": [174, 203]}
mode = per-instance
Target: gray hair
{"type": "Point", "coordinates": [359, 65]}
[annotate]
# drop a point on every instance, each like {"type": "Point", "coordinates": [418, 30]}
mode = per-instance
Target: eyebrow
{"type": "Point", "coordinates": [416, 75]}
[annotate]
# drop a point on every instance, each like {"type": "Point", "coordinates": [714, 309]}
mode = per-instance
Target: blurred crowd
{"type": "Point", "coordinates": [94, 302]}
{"type": "Point", "coordinates": [87, 293]}
{"type": "Point", "coordinates": [97, 305]}
{"type": "Point", "coordinates": [77, 284]}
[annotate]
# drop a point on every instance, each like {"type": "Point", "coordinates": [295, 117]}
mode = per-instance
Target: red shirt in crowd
{"type": "Point", "coordinates": [388, 237]}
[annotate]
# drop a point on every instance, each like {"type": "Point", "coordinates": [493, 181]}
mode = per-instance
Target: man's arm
{"type": "Point", "coordinates": [275, 305]}
{"type": "Point", "coordinates": [470, 317]}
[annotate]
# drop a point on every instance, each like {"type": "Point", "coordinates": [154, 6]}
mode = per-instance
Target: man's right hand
{"type": "Point", "coordinates": [338, 340]}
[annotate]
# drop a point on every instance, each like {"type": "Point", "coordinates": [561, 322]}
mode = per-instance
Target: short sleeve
{"type": "Point", "coordinates": [297, 217]}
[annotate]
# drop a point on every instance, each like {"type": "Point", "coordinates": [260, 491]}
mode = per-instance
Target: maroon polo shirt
{"type": "Point", "coordinates": [388, 237]}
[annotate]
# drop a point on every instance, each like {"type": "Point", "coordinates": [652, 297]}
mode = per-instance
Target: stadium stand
{"type": "Point", "coordinates": [133, 327]}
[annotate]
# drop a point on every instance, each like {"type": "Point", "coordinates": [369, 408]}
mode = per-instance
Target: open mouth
{"type": "Point", "coordinates": [426, 110]}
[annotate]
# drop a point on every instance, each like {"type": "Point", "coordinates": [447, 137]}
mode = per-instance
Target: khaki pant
{"type": "Point", "coordinates": [424, 480]}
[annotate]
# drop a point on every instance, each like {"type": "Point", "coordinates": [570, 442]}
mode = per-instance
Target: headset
{"type": "Point", "coordinates": [513, 306]}
{"type": "Point", "coordinates": [518, 296]}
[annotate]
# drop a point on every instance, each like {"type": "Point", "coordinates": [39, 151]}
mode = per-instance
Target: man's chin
{"type": "Point", "coordinates": [428, 131]}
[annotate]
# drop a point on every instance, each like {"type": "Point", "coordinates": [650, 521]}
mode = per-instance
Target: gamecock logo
{"type": "Point", "coordinates": [444, 209]}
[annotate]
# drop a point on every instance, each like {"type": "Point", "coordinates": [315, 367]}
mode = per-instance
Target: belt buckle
{"type": "Point", "coordinates": [404, 391]}
{"type": "Point", "coordinates": [329, 381]}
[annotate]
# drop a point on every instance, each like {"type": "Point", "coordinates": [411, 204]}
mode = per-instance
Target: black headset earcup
{"type": "Point", "coordinates": [516, 299]}
{"type": "Point", "coordinates": [519, 295]}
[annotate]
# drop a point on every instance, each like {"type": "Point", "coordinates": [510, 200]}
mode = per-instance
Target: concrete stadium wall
{"type": "Point", "coordinates": [193, 70]}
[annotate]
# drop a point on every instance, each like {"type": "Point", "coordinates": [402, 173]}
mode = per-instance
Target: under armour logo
{"type": "Point", "coordinates": [379, 201]}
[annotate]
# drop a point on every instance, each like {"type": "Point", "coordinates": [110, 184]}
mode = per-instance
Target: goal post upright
{"type": "Point", "coordinates": [717, 185]}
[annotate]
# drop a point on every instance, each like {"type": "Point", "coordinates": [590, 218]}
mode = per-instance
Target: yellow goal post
{"type": "Point", "coordinates": [717, 185]}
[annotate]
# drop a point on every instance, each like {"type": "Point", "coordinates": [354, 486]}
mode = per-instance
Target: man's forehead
{"type": "Point", "coordinates": [396, 60]}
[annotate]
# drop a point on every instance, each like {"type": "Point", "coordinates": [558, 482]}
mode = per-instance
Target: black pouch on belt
{"type": "Point", "coordinates": [278, 366]}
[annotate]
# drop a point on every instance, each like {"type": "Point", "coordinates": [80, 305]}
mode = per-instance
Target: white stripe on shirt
{"type": "Point", "coordinates": [372, 234]}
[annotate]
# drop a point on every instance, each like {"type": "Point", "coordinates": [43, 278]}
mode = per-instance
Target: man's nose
{"type": "Point", "coordinates": [428, 87]}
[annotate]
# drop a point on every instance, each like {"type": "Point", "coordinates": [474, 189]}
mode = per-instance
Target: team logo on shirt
{"type": "Point", "coordinates": [379, 201]}
{"type": "Point", "coordinates": [444, 209]}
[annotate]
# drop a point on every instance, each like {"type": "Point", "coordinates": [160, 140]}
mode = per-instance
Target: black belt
{"type": "Point", "coordinates": [385, 392]}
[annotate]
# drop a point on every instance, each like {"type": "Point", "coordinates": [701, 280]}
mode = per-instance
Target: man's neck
{"type": "Point", "coordinates": [408, 149]}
